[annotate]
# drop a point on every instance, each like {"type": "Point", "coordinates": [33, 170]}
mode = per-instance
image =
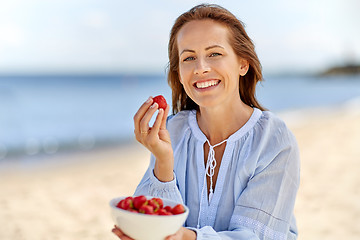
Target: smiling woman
{"type": "Point", "coordinates": [209, 70]}
{"type": "Point", "coordinates": [231, 32]}
{"type": "Point", "coordinates": [233, 164]}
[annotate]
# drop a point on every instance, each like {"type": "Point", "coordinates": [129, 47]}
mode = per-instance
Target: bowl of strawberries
{"type": "Point", "coordinates": [146, 217]}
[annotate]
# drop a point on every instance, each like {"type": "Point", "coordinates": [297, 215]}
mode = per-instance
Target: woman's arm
{"type": "Point", "coordinates": [155, 138]}
{"type": "Point", "coordinates": [152, 186]}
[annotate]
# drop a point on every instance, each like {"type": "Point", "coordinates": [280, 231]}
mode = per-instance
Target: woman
{"type": "Point", "coordinates": [235, 165]}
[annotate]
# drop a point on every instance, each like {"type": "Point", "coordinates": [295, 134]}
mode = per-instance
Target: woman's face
{"type": "Point", "coordinates": [209, 69]}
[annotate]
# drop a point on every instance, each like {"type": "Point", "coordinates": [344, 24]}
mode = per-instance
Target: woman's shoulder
{"type": "Point", "coordinates": [269, 118]}
{"type": "Point", "coordinates": [272, 134]}
{"type": "Point", "coordinates": [273, 125]}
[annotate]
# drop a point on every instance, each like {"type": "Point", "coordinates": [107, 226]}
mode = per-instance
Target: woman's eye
{"type": "Point", "coordinates": [188, 59]}
{"type": "Point", "coordinates": [215, 54]}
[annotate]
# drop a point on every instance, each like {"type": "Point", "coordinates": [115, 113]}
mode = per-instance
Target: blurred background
{"type": "Point", "coordinates": [73, 73]}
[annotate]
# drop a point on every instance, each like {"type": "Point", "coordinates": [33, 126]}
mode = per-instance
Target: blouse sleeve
{"type": "Point", "coordinates": [151, 186]}
{"type": "Point", "coordinates": [264, 209]}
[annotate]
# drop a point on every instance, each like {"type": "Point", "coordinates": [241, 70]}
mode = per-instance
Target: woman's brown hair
{"type": "Point", "coordinates": [241, 43]}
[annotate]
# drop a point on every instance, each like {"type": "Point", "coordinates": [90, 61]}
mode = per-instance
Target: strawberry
{"type": "Point", "coordinates": [158, 201]}
{"type": "Point", "coordinates": [129, 202]}
{"type": "Point", "coordinates": [162, 211]}
{"type": "Point", "coordinates": [160, 100]}
{"type": "Point", "coordinates": [178, 209]}
{"type": "Point", "coordinates": [121, 204]}
{"type": "Point", "coordinates": [154, 204]}
{"type": "Point", "coordinates": [168, 208]}
{"type": "Point", "coordinates": [146, 209]}
{"type": "Point", "coordinates": [126, 203]}
{"type": "Point", "coordinates": [139, 201]}
{"type": "Point", "coordinates": [133, 210]}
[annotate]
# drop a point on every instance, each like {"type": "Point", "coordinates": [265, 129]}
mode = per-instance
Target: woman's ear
{"type": "Point", "coordinates": [244, 67]}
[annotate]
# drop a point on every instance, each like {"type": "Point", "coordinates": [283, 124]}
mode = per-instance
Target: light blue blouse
{"type": "Point", "coordinates": [257, 182]}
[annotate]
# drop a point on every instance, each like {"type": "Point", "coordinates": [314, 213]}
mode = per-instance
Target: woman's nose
{"type": "Point", "coordinates": [201, 67]}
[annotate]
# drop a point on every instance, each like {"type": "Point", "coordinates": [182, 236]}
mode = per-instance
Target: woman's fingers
{"type": "Point", "coordinates": [166, 113]}
{"type": "Point", "coordinates": [117, 231]}
{"type": "Point", "coordinates": [141, 112]}
{"type": "Point", "coordinates": [144, 123]}
{"type": "Point", "coordinates": [156, 127]}
{"type": "Point", "coordinates": [150, 136]}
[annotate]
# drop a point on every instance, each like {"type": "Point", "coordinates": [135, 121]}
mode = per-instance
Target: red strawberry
{"type": "Point", "coordinates": [168, 208]}
{"type": "Point", "coordinates": [178, 209]}
{"type": "Point", "coordinates": [160, 100]}
{"type": "Point", "coordinates": [162, 211]}
{"type": "Point", "coordinates": [154, 204]}
{"type": "Point", "coordinates": [139, 201]}
{"type": "Point", "coordinates": [147, 209]}
{"type": "Point", "coordinates": [158, 201]}
{"type": "Point", "coordinates": [129, 202]}
{"type": "Point", "coordinates": [120, 204]}
{"type": "Point", "coordinates": [126, 203]}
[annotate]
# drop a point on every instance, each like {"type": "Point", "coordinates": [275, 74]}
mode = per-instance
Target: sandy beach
{"type": "Point", "coordinates": [69, 199]}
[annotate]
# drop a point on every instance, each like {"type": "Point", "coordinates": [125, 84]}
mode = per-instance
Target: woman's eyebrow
{"type": "Point", "coordinates": [187, 50]}
{"type": "Point", "coordinates": [206, 49]}
{"type": "Point", "coordinates": [213, 46]}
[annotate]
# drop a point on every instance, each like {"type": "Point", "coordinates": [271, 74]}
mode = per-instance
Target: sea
{"type": "Point", "coordinates": [51, 114]}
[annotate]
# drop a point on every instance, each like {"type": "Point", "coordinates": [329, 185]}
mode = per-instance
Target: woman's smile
{"type": "Point", "coordinates": [206, 84]}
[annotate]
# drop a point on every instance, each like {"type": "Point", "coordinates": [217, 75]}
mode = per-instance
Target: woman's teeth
{"type": "Point", "coordinates": [207, 84]}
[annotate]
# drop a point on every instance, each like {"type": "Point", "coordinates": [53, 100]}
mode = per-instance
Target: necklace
{"type": "Point", "coordinates": [210, 166]}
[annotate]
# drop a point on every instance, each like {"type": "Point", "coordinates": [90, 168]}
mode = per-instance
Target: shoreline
{"type": "Point", "coordinates": [292, 117]}
{"type": "Point", "coordinates": [23, 162]}
{"type": "Point", "coordinates": [300, 116]}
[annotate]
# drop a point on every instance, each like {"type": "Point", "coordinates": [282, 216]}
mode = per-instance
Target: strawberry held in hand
{"type": "Point", "coordinates": [160, 100]}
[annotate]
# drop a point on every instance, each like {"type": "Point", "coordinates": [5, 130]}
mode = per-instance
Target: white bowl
{"type": "Point", "coordinates": [147, 227]}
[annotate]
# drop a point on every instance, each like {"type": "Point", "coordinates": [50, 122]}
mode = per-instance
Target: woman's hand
{"type": "Point", "coordinates": [117, 231]}
{"type": "Point", "coordinates": [181, 234]}
{"type": "Point", "coordinates": [156, 138]}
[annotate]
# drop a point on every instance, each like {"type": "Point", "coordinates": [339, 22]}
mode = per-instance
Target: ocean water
{"type": "Point", "coordinates": [51, 114]}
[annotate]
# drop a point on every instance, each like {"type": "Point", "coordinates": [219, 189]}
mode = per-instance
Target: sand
{"type": "Point", "coordinates": [328, 202]}
{"type": "Point", "coordinates": [69, 200]}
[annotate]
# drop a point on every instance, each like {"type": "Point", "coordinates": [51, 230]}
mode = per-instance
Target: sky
{"type": "Point", "coordinates": [123, 36]}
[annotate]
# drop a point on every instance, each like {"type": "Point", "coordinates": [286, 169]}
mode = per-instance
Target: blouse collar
{"type": "Point", "coordinates": [255, 116]}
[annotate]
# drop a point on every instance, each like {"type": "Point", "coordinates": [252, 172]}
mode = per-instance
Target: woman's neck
{"type": "Point", "coordinates": [219, 123]}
